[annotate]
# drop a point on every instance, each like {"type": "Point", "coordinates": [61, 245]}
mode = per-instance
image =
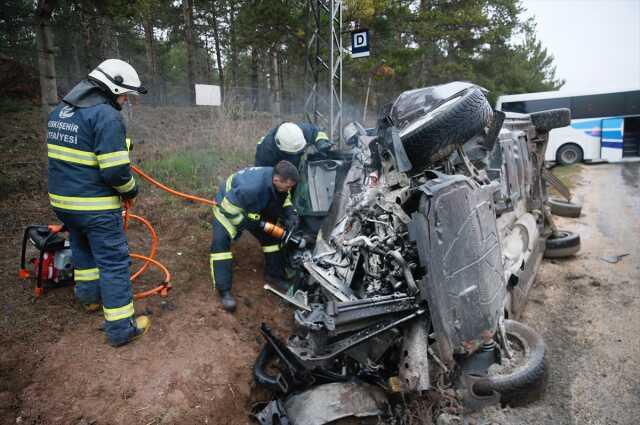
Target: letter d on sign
{"type": "Point", "coordinates": [360, 43]}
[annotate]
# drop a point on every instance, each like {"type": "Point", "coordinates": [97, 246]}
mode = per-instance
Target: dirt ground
{"type": "Point", "coordinates": [194, 366]}
{"type": "Point", "coordinates": [588, 310]}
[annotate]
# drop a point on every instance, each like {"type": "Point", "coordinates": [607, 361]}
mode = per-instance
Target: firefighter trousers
{"type": "Point", "coordinates": [101, 258]}
{"type": "Point", "coordinates": [221, 258]}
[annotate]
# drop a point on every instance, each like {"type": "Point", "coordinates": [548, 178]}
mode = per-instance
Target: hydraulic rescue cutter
{"type": "Point", "coordinates": [285, 236]}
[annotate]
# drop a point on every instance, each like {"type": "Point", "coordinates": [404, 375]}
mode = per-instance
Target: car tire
{"type": "Point", "coordinates": [429, 139]}
{"type": "Point", "coordinates": [569, 154]}
{"type": "Point", "coordinates": [526, 382]}
{"type": "Point", "coordinates": [545, 121]}
{"type": "Point", "coordinates": [563, 208]}
{"type": "Point", "coordinates": [562, 244]}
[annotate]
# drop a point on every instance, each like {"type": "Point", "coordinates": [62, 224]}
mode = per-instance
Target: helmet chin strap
{"type": "Point", "coordinates": [111, 97]}
{"type": "Point", "coordinates": [119, 82]}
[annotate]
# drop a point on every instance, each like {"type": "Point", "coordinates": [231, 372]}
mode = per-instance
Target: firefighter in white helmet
{"type": "Point", "coordinates": [287, 142]}
{"type": "Point", "coordinates": [118, 77]}
{"type": "Point", "coordinates": [89, 179]}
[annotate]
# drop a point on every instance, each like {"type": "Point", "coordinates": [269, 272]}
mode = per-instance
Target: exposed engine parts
{"type": "Point", "coordinates": [372, 236]}
{"type": "Point", "coordinates": [420, 256]}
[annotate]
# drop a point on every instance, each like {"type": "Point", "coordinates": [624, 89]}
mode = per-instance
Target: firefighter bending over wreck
{"type": "Point", "coordinates": [287, 142]}
{"type": "Point", "coordinates": [246, 198]}
{"type": "Point", "coordinates": [89, 176]}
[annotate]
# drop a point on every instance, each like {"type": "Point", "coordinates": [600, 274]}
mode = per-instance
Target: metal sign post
{"type": "Point", "coordinates": [323, 105]}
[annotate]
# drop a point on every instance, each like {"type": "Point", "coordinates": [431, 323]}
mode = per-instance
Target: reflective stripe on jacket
{"type": "Point", "coordinates": [88, 159]}
{"type": "Point", "coordinates": [245, 196]}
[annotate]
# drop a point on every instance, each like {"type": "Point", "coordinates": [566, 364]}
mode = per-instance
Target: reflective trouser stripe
{"type": "Point", "coordinates": [261, 140]}
{"type": "Point", "coordinates": [322, 136]}
{"type": "Point", "coordinates": [230, 228]}
{"type": "Point", "coordinates": [254, 216]}
{"type": "Point", "coordinates": [128, 142]}
{"type": "Point", "coordinates": [229, 183]}
{"type": "Point", "coordinates": [270, 248]}
{"type": "Point", "coordinates": [75, 156]}
{"type": "Point", "coordinates": [113, 159]}
{"type": "Point", "coordinates": [127, 186]}
{"type": "Point", "coordinates": [217, 256]}
{"type": "Point", "coordinates": [74, 203]}
{"type": "Point", "coordinates": [84, 275]}
{"type": "Point", "coordinates": [118, 313]}
{"type": "Point", "coordinates": [213, 273]}
{"type": "Point", "coordinates": [221, 256]}
{"type": "Point", "coordinates": [98, 241]}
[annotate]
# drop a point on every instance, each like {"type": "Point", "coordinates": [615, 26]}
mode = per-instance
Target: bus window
{"type": "Point", "coordinates": [514, 107]}
{"type": "Point", "coordinates": [529, 106]}
{"type": "Point", "coordinates": [546, 104]}
{"type": "Point", "coordinates": [599, 105]}
{"type": "Point", "coordinates": [632, 103]}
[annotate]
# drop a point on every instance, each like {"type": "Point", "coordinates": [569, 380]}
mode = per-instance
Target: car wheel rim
{"type": "Point", "coordinates": [569, 156]}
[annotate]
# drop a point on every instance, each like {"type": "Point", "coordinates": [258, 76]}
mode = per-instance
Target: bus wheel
{"type": "Point", "coordinates": [569, 154]}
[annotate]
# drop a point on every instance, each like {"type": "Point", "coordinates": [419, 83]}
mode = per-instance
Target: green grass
{"type": "Point", "coordinates": [568, 174]}
{"type": "Point", "coordinates": [197, 171]}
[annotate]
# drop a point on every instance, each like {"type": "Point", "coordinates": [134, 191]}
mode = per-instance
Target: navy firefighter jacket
{"type": "Point", "coordinates": [247, 196]}
{"type": "Point", "coordinates": [88, 156]}
{"type": "Point", "coordinates": [268, 154]}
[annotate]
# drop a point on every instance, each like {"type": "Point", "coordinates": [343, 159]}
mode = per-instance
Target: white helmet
{"type": "Point", "coordinates": [118, 77]}
{"type": "Point", "coordinates": [351, 131]}
{"type": "Point", "coordinates": [290, 138]}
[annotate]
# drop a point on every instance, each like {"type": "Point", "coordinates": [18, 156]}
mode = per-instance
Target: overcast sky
{"type": "Point", "coordinates": [595, 43]}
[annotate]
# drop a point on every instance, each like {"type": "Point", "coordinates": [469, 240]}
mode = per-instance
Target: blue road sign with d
{"type": "Point", "coordinates": [359, 43]}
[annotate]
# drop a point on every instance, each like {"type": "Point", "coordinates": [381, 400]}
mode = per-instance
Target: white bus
{"type": "Point", "coordinates": [604, 126]}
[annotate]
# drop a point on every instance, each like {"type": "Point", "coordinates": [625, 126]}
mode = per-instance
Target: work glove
{"type": "Point", "coordinates": [251, 222]}
{"type": "Point", "coordinates": [130, 194]}
{"type": "Point", "coordinates": [292, 221]}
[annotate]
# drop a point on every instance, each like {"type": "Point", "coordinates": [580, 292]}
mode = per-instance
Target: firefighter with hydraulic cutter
{"type": "Point", "coordinates": [89, 178]}
{"type": "Point", "coordinates": [287, 142]}
{"type": "Point", "coordinates": [247, 200]}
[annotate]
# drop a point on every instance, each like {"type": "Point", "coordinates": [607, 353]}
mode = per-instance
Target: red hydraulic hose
{"type": "Point", "coordinates": [163, 288]}
{"type": "Point", "coordinates": [172, 191]}
{"type": "Point", "coordinates": [154, 243]}
{"type": "Point", "coordinates": [165, 285]}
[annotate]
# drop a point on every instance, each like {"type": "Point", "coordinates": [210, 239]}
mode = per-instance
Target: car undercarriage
{"type": "Point", "coordinates": [429, 230]}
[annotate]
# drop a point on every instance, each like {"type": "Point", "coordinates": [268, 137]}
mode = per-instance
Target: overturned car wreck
{"type": "Point", "coordinates": [433, 227]}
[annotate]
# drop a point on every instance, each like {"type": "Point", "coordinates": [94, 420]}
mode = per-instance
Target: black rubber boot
{"type": "Point", "coordinates": [228, 302]}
